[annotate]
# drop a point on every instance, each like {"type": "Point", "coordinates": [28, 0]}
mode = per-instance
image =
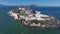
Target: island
{"type": "Point", "coordinates": [32, 18]}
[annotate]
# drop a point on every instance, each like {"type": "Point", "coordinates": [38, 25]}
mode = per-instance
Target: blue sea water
{"type": "Point", "coordinates": [10, 26]}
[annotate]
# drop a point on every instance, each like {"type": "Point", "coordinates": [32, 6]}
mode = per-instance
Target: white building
{"type": "Point", "coordinates": [38, 16]}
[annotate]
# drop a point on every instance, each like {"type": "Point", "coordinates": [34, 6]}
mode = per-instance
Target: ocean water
{"type": "Point", "coordinates": [10, 26]}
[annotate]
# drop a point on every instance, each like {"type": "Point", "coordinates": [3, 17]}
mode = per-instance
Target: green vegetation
{"type": "Point", "coordinates": [22, 20]}
{"type": "Point", "coordinates": [34, 21]}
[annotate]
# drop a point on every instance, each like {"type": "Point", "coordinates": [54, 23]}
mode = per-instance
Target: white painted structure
{"type": "Point", "coordinates": [13, 14]}
{"type": "Point", "coordinates": [38, 16]}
